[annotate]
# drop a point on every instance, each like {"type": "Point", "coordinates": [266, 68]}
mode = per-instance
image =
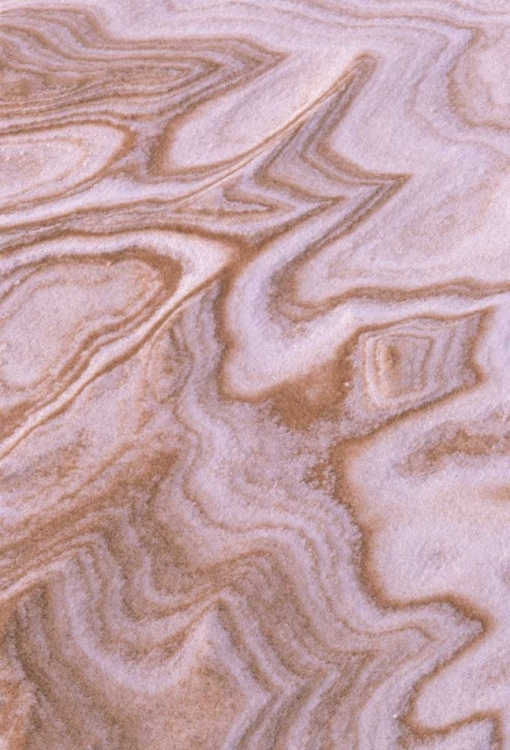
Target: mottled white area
{"type": "Point", "coordinates": [254, 357]}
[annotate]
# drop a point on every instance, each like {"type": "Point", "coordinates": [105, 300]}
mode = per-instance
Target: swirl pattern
{"type": "Point", "coordinates": [254, 351]}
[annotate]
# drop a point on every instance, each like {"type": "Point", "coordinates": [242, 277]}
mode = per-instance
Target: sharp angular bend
{"type": "Point", "coordinates": [254, 356]}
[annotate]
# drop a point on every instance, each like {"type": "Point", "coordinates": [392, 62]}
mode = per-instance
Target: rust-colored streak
{"type": "Point", "coordinates": [254, 357]}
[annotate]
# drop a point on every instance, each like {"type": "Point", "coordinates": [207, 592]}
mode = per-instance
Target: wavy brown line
{"type": "Point", "coordinates": [254, 436]}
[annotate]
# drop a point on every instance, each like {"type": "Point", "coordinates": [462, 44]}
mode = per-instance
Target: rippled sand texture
{"type": "Point", "coordinates": [254, 368]}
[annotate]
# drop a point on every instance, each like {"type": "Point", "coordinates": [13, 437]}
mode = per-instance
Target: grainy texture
{"type": "Point", "coordinates": [254, 361]}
